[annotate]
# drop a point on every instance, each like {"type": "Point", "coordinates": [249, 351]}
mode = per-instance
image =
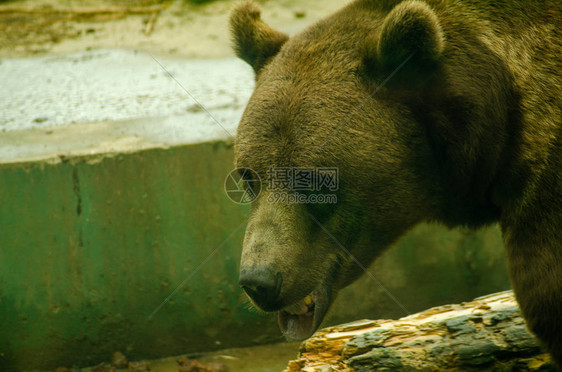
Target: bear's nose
{"type": "Point", "coordinates": [263, 286]}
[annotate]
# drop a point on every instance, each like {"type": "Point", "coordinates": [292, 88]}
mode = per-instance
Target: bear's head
{"type": "Point", "coordinates": [350, 94]}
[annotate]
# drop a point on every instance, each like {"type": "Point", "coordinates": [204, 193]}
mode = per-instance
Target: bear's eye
{"type": "Point", "coordinates": [249, 176]}
{"type": "Point", "coordinates": [320, 205]}
{"type": "Point", "coordinates": [246, 173]}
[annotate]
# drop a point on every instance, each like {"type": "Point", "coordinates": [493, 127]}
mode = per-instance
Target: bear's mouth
{"type": "Point", "coordinates": [300, 320]}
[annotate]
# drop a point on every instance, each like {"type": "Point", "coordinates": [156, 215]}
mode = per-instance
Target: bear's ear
{"type": "Point", "coordinates": [410, 30]}
{"type": "Point", "coordinates": [254, 41]}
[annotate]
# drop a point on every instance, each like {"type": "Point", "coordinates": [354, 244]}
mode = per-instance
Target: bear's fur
{"type": "Point", "coordinates": [447, 111]}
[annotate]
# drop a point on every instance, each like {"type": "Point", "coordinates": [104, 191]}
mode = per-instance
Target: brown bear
{"type": "Point", "coordinates": [444, 111]}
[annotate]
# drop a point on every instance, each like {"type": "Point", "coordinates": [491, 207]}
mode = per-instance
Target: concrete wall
{"type": "Point", "coordinates": [90, 246]}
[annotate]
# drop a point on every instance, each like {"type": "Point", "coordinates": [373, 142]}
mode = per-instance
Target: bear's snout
{"type": "Point", "coordinates": [263, 286]}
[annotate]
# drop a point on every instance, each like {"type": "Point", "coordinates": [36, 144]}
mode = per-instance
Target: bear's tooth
{"type": "Point", "coordinates": [308, 300]}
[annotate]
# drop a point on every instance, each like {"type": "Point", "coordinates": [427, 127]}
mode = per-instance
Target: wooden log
{"type": "Point", "coordinates": [487, 334]}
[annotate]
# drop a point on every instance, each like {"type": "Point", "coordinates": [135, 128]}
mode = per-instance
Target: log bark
{"type": "Point", "coordinates": [487, 334]}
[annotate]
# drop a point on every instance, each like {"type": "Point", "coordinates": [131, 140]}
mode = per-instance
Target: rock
{"type": "Point", "coordinates": [102, 367]}
{"type": "Point", "coordinates": [190, 365]}
{"type": "Point", "coordinates": [139, 366]}
{"type": "Point", "coordinates": [118, 360]}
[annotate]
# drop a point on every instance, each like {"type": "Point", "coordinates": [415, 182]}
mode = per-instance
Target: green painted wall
{"type": "Point", "coordinates": [91, 246]}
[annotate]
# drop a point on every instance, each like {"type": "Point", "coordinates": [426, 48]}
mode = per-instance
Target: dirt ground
{"type": "Point", "coordinates": [180, 27]}
{"type": "Point", "coordinates": [267, 358]}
